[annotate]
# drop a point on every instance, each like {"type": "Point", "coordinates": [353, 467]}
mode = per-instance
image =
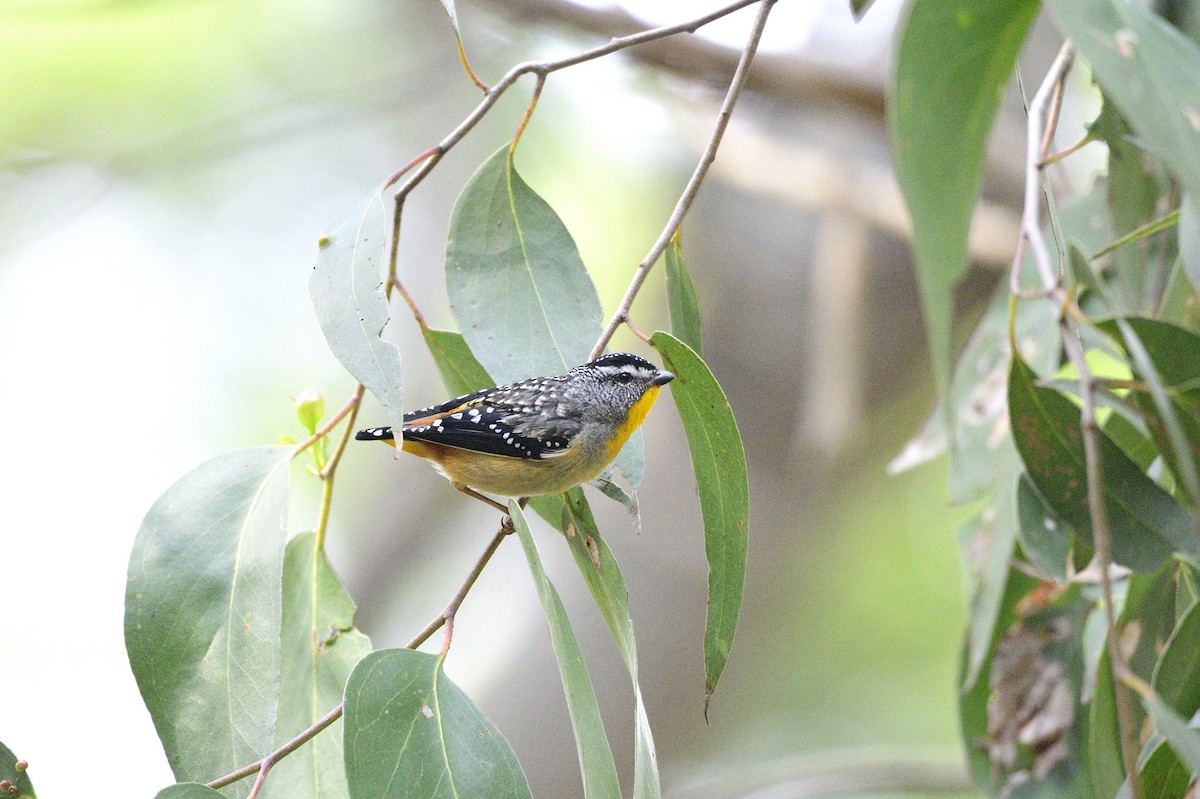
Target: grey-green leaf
{"type": "Point", "coordinates": [188, 790]}
{"type": "Point", "coordinates": [1149, 69]}
{"type": "Point", "coordinates": [411, 733]}
{"type": "Point", "coordinates": [953, 61]}
{"type": "Point", "coordinates": [595, 756]}
{"type": "Point", "coordinates": [1177, 673]}
{"type": "Point", "coordinates": [202, 612]}
{"type": "Point", "coordinates": [604, 580]}
{"type": "Point", "coordinates": [1044, 537]}
{"type": "Point", "coordinates": [1184, 740]}
{"type": "Point", "coordinates": [719, 463]}
{"type": "Point", "coordinates": [460, 370]}
{"type": "Point", "coordinates": [320, 649]}
{"type": "Point", "coordinates": [996, 524]}
{"type": "Point", "coordinates": [682, 302]}
{"type": "Point", "coordinates": [518, 288]}
{"type": "Point", "coordinates": [348, 294]}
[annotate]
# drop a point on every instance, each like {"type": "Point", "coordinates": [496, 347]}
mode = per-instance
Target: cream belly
{"type": "Point", "coordinates": [512, 477]}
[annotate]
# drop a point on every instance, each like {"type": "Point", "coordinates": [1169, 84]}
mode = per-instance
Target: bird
{"type": "Point", "coordinates": [544, 435]}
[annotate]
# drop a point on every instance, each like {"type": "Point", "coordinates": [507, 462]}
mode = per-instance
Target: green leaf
{"type": "Point", "coordinates": [461, 372]}
{"type": "Point", "coordinates": [1146, 524]}
{"type": "Point", "coordinates": [411, 733]}
{"type": "Point", "coordinates": [1179, 297]}
{"type": "Point", "coordinates": [348, 293]}
{"type": "Point", "coordinates": [595, 757]}
{"type": "Point", "coordinates": [189, 790]}
{"type": "Point", "coordinates": [1189, 238]}
{"type": "Point", "coordinates": [18, 778]}
{"type": "Point", "coordinates": [1184, 740]}
{"type": "Point", "coordinates": [202, 612]}
{"type": "Point", "coordinates": [1177, 674]}
{"type": "Point", "coordinates": [1148, 69]}
{"type": "Point", "coordinates": [859, 8]}
{"type": "Point", "coordinates": [320, 649]}
{"type": "Point", "coordinates": [953, 62]}
{"type": "Point", "coordinates": [720, 466]}
{"type": "Point", "coordinates": [518, 288]}
{"type": "Point", "coordinates": [1104, 741]}
{"type": "Point", "coordinates": [995, 524]}
{"type": "Point", "coordinates": [604, 580]}
{"type": "Point", "coordinates": [682, 302]}
{"type": "Point", "coordinates": [1045, 538]}
{"type": "Point", "coordinates": [1162, 775]}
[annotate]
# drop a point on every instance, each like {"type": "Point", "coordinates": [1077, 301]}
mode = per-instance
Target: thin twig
{"type": "Point", "coordinates": [261, 767]}
{"type": "Point", "coordinates": [736, 84]}
{"type": "Point", "coordinates": [350, 405]}
{"type": "Point", "coordinates": [1037, 143]}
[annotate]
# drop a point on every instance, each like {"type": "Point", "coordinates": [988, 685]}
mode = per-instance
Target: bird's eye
{"type": "Point", "coordinates": [623, 377]}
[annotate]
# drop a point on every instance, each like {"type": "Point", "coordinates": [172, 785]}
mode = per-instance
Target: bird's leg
{"type": "Point", "coordinates": [470, 492]}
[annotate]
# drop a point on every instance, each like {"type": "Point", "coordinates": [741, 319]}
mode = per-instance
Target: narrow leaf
{"type": "Point", "coordinates": [202, 611]}
{"type": "Point", "coordinates": [18, 778]}
{"type": "Point", "coordinates": [320, 649]}
{"type": "Point", "coordinates": [1045, 538]}
{"type": "Point", "coordinates": [348, 294]}
{"type": "Point", "coordinates": [954, 59]}
{"type": "Point", "coordinates": [1177, 674]}
{"type": "Point", "coordinates": [1162, 775]}
{"type": "Point", "coordinates": [1184, 740]}
{"type": "Point", "coordinates": [411, 733]}
{"type": "Point", "coordinates": [607, 585]}
{"type": "Point", "coordinates": [996, 525]}
{"type": "Point", "coordinates": [1104, 737]}
{"type": "Point", "coordinates": [521, 295]}
{"type": "Point", "coordinates": [720, 466]}
{"type": "Point", "coordinates": [1149, 69]}
{"type": "Point", "coordinates": [682, 302]}
{"type": "Point", "coordinates": [1189, 238]}
{"type": "Point", "coordinates": [1146, 523]}
{"type": "Point", "coordinates": [595, 756]}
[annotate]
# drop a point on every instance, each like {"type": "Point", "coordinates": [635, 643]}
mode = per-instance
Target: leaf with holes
{"type": "Point", "coordinates": [719, 463]}
{"type": "Point", "coordinates": [347, 289]}
{"type": "Point", "coordinates": [953, 61]}
{"type": "Point", "coordinates": [202, 611]}
{"type": "Point", "coordinates": [411, 733]}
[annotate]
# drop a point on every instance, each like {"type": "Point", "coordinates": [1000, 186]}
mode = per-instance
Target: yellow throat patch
{"type": "Point", "coordinates": [637, 415]}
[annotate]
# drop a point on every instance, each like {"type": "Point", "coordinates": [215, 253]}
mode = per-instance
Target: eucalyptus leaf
{"type": "Point", "coordinates": [682, 302]}
{"type": "Point", "coordinates": [1183, 739]}
{"type": "Point", "coordinates": [460, 371]}
{"type": "Point", "coordinates": [18, 778]}
{"type": "Point", "coordinates": [411, 733]}
{"type": "Point", "coordinates": [320, 649]}
{"type": "Point", "coordinates": [1177, 673]}
{"type": "Point", "coordinates": [719, 463]}
{"type": "Point", "coordinates": [995, 524]}
{"type": "Point", "coordinates": [595, 757]}
{"type": "Point", "coordinates": [953, 61]}
{"type": "Point", "coordinates": [203, 608]}
{"type": "Point", "coordinates": [350, 299]}
{"type": "Point", "coordinates": [1045, 538]}
{"type": "Point", "coordinates": [188, 790]}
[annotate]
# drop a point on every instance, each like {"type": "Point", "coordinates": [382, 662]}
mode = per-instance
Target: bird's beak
{"type": "Point", "coordinates": [662, 379]}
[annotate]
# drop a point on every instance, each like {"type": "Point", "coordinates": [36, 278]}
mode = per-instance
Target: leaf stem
{"type": "Point", "coordinates": [736, 84]}
{"type": "Point", "coordinates": [533, 101]}
{"type": "Point", "coordinates": [351, 405]}
{"type": "Point", "coordinates": [1063, 303]}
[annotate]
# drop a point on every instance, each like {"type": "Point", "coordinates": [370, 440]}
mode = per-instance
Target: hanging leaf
{"type": "Point", "coordinates": [18, 778]}
{"type": "Point", "coordinates": [202, 612]}
{"type": "Point", "coordinates": [320, 649]}
{"type": "Point", "coordinates": [1177, 673]}
{"type": "Point", "coordinates": [1184, 740]}
{"type": "Point", "coordinates": [1146, 524]}
{"type": "Point", "coordinates": [682, 302]}
{"type": "Point", "coordinates": [996, 528]}
{"type": "Point", "coordinates": [188, 790]}
{"type": "Point", "coordinates": [595, 756]}
{"type": "Point", "coordinates": [1045, 538]}
{"type": "Point", "coordinates": [411, 733]}
{"type": "Point", "coordinates": [461, 373]}
{"type": "Point", "coordinates": [953, 61]}
{"type": "Point", "coordinates": [348, 293]}
{"type": "Point", "coordinates": [720, 466]}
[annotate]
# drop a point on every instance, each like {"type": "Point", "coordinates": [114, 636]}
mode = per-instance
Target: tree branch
{"type": "Point", "coordinates": [1037, 145]}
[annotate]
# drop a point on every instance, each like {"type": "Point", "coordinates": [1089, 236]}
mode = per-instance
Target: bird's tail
{"type": "Point", "coordinates": [383, 434]}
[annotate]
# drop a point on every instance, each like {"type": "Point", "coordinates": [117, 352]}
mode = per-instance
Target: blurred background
{"type": "Point", "coordinates": [166, 168]}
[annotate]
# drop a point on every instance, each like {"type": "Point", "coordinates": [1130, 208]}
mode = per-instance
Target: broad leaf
{"type": "Point", "coordinates": [320, 649]}
{"type": "Point", "coordinates": [518, 288]}
{"type": "Point", "coordinates": [720, 466]}
{"type": "Point", "coordinates": [18, 778]}
{"type": "Point", "coordinates": [348, 293]}
{"type": "Point", "coordinates": [202, 612]}
{"type": "Point", "coordinates": [1146, 525]}
{"type": "Point", "coordinates": [595, 756]}
{"type": "Point", "coordinates": [682, 302]}
{"type": "Point", "coordinates": [607, 585]}
{"type": "Point", "coordinates": [1148, 69]}
{"type": "Point", "coordinates": [953, 61]}
{"type": "Point", "coordinates": [189, 790]}
{"type": "Point", "coordinates": [1177, 674]}
{"type": "Point", "coordinates": [411, 733]}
